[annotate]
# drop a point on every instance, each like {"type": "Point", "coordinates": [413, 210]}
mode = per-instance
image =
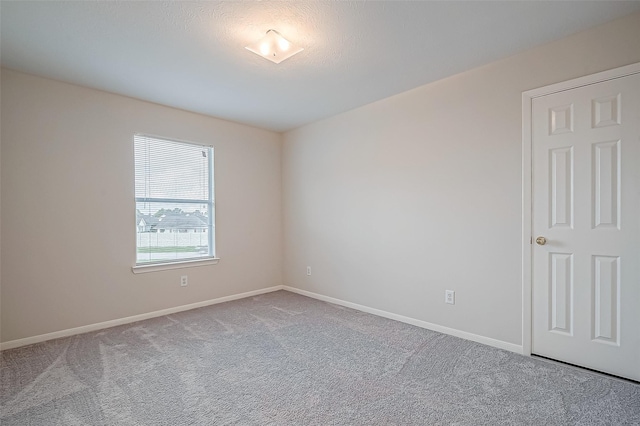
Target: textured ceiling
{"type": "Point", "coordinates": [191, 55]}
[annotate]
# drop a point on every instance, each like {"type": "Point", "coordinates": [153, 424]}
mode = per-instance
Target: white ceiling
{"type": "Point", "coordinates": [191, 55]}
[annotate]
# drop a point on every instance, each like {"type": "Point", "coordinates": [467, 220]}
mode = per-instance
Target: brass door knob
{"type": "Point", "coordinates": [541, 241]}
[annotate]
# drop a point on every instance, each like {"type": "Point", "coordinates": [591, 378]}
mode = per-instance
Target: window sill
{"type": "Point", "coordinates": [153, 267]}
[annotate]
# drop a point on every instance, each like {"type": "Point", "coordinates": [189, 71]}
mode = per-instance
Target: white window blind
{"type": "Point", "coordinates": [174, 200]}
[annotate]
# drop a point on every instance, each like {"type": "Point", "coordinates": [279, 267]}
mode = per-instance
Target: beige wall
{"type": "Point", "coordinates": [390, 204]}
{"type": "Point", "coordinates": [396, 201]}
{"type": "Point", "coordinates": [68, 240]}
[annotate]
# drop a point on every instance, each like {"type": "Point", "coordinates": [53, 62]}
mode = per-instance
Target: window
{"type": "Point", "coordinates": [174, 201]}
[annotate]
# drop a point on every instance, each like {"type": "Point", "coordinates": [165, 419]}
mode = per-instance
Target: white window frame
{"type": "Point", "coordinates": [182, 263]}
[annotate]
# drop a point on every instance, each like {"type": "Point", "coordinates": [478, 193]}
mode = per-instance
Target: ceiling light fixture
{"type": "Point", "coordinates": [274, 47]}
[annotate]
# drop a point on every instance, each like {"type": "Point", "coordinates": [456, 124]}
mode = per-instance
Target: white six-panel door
{"type": "Point", "coordinates": [586, 205]}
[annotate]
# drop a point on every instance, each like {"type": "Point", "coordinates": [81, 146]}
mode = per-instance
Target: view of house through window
{"type": "Point", "coordinates": [174, 200]}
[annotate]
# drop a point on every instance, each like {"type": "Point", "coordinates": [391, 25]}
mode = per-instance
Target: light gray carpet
{"type": "Point", "coordinates": [284, 359]}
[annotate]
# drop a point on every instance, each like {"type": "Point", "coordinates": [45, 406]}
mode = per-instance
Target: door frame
{"type": "Point", "coordinates": [527, 183]}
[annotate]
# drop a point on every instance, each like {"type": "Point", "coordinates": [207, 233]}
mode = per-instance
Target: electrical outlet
{"type": "Point", "coordinates": [308, 270]}
{"type": "Point", "coordinates": [183, 281]}
{"type": "Point", "coordinates": [450, 297]}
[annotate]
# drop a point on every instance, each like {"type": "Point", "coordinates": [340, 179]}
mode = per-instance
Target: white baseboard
{"type": "Point", "coordinates": [127, 320]}
{"type": "Point", "coordinates": [418, 323]}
